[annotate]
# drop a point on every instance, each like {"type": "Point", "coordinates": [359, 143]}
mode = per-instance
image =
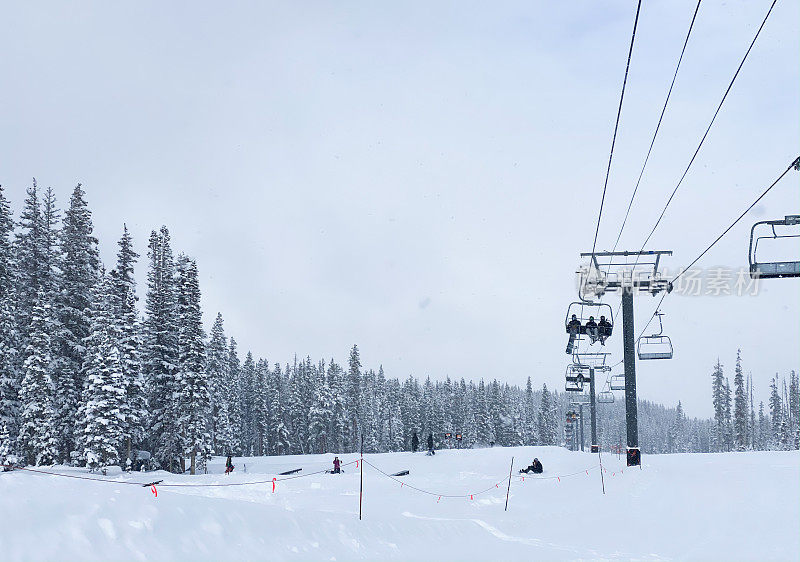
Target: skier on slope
{"type": "Point", "coordinates": [337, 466]}
{"type": "Point", "coordinates": [229, 465]}
{"type": "Point", "coordinates": [430, 444]}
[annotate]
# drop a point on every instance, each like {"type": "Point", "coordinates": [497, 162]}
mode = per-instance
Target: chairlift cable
{"type": "Point", "coordinates": [697, 151]}
{"type": "Point", "coordinates": [616, 126]}
{"type": "Point", "coordinates": [795, 164]}
{"type": "Point", "coordinates": [658, 125]}
{"type": "Point", "coordinates": [705, 135]}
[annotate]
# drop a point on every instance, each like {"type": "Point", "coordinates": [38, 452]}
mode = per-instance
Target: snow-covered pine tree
{"type": "Point", "coordinates": [129, 343]}
{"type": "Point", "coordinates": [234, 399]}
{"type": "Point", "coordinates": [217, 369]}
{"type": "Point", "coordinates": [104, 394]}
{"type": "Point", "coordinates": [6, 448]}
{"type": "Point", "coordinates": [282, 436]}
{"type": "Point", "coordinates": [9, 335]}
{"type": "Point", "coordinates": [548, 425]}
{"type": "Point", "coordinates": [159, 356]}
{"type": "Point", "coordinates": [354, 409]}
{"type": "Point", "coordinates": [319, 419]}
{"type": "Point", "coordinates": [776, 415]}
{"type": "Point", "coordinates": [739, 406]}
{"type": "Point", "coordinates": [762, 444]}
{"type": "Point", "coordinates": [676, 436]}
{"type": "Point", "coordinates": [728, 413]}
{"type": "Point", "coordinates": [718, 399]}
{"type": "Point", "coordinates": [337, 386]}
{"type": "Point", "coordinates": [79, 265]}
{"type": "Point", "coordinates": [246, 403]}
{"type": "Point", "coordinates": [194, 400]}
{"type": "Point", "coordinates": [38, 433]}
{"type": "Point", "coordinates": [31, 266]}
{"type": "Point", "coordinates": [261, 413]}
{"type": "Point", "coordinates": [794, 409]}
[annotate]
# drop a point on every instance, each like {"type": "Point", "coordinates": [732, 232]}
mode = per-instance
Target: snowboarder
{"type": "Point", "coordinates": [574, 325]}
{"type": "Point", "coordinates": [535, 467]}
{"type": "Point", "coordinates": [414, 443]}
{"type": "Point", "coordinates": [430, 444]}
{"type": "Point", "coordinates": [604, 329]}
{"type": "Point", "coordinates": [591, 329]}
{"type": "Point", "coordinates": [337, 466]}
{"type": "Point", "coordinates": [229, 465]}
{"type": "Point", "coordinates": [573, 329]}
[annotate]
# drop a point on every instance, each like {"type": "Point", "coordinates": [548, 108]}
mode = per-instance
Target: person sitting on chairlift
{"type": "Point", "coordinates": [604, 329]}
{"type": "Point", "coordinates": [591, 329]}
{"type": "Point", "coordinates": [574, 325]}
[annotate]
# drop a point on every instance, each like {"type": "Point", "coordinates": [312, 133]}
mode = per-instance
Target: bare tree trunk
{"type": "Point", "coordinates": [193, 465]}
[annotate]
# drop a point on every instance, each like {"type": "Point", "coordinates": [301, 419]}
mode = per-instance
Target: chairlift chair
{"type": "Point", "coordinates": [583, 311]}
{"type": "Point", "coordinates": [655, 346]}
{"type": "Point", "coordinates": [617, 382]}
{"type": "Point", "coordinates": [773, 269]}
{"type": "Point", "coordinates": [605, 397]}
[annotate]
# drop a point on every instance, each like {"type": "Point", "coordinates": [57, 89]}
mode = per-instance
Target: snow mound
{"type": "Point", "coordinates": [687, 506]}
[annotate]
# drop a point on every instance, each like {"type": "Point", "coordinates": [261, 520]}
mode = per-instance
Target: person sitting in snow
{"type": "Point", "coordinates": [337, 466]}
{"type": "Point", "coordinates": [535, 467]}
{"type": "Point", "coordinates": [229, 465]}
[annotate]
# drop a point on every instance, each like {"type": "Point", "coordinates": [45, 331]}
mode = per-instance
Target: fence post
{"type": "Point", "coordinates": [361, 487]}
{"type": "Point", "coordinates": [510, 470]}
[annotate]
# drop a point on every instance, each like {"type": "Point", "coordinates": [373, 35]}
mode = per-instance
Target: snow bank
{"type": "Point", "coordinates": [699, 507]}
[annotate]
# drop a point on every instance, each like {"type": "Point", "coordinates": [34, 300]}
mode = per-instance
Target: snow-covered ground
{"type": "Point", "coordinates": [737, 506]}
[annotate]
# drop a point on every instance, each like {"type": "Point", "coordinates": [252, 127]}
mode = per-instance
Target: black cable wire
{"type": "Point", "coordinates": [616, 127]}
{"type": "Point", "coordinates": [702, 140]}
{"type": "Point", "coordinates": [795, 164]}
{"type": "Point", "coordinates": [658, 125]}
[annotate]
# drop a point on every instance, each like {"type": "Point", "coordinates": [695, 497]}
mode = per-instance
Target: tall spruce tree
{"type": "Point", "coordinates": [354, 408]}
{"type": "Point", "coordinates": [548, 424]}
{"type": "Point", "coordinates": [79, 266]}
{"type": "Point", "coordinates": [160, 363]}
{"type": "Point", "coordinates": [130, 342]}
{"type": "Point", "coordinates": [218, 381]}
{"type": "Point", "coordinates": [740, 406]}
{"type": "Point", "coordinates": [104, 396]}
{"type": "Point", "coordinates": [194, 400]}
{"type": "Point", "coordinates": [38, 435]}
{"type": "Point", "coordinates": [718, 399]}
{"type": "Point", "coordinates": [9, 335]}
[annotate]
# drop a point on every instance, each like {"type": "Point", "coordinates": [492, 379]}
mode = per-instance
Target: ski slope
{"type": "Point", "coordinates": [736, 506]}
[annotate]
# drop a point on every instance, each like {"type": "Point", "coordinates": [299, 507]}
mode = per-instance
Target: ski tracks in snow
{"type": "Point", "coordinates": [575, 553]}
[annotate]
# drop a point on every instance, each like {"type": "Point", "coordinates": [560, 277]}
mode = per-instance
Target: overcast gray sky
{"type": "Point", "coordinates": [418, 177]}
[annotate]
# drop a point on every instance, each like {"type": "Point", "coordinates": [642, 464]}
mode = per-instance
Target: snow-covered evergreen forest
{"type": "Point", "coordinates": [90, 376]}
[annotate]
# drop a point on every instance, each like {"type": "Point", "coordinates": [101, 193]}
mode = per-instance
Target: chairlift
{"type": "Point", "coordinates": [573, 387]}
{"type": "Point", "coordinates": [598, 316]}
{"type": "Point", "coordinates": [655, 346]}
{"type": "Point", "coordinates": [617, 382]}
{"type": "Point", "coordinates": [605, 397]}
{"type": "Point", "coordinates": [576, 377]}
{"type": "Point", "coordinates": [773, 269]}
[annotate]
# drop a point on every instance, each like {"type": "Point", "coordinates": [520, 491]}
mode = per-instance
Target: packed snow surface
{"type": "Point", "coordinates": [735, 506]}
